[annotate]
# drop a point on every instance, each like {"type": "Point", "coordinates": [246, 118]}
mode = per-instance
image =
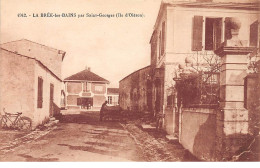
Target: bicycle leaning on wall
{"type": "Point", "coordinates": [15, 121]}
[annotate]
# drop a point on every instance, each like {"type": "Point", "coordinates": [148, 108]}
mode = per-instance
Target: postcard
{"type": "Point", "coordinates": [129, 81]}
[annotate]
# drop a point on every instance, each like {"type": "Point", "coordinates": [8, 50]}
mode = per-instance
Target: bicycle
{"type": "Point", "coordinates": [19, 122]}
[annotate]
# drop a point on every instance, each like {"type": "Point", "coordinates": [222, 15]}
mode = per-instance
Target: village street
{"type": "Point", "coordinates": [83, 138]}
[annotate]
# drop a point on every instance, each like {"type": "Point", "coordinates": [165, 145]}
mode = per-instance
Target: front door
{"type": "Point", "coordinates": [51, 100]}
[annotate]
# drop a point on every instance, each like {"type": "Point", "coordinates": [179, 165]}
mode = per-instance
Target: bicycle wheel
{"type": "Point", "coordinates": [3, 122]}
{"type": "Point", "coordinates": [24, 123]}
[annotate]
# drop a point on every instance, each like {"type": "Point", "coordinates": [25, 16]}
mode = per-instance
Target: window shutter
{"type": "Point", "coordinates": [227, 28]}
{"type": "Point", "coordinates": [253, 34]}
{"type": "Point", "coordinates": [197, 33]}
{"type": "Point", "coordinates": [40, 92]}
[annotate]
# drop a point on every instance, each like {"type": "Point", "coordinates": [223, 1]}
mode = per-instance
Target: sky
{"type": "Point", "coordinates": [112, 47]}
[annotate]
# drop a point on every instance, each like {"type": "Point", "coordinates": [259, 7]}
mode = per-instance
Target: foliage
{"type": "Point", "coordinates": [196, 90]}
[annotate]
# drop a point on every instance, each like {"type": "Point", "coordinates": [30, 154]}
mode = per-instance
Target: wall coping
{"type": "Point", "coordinates": [224, 50]}
{"type": "Point", "coordinates": [200, 110]}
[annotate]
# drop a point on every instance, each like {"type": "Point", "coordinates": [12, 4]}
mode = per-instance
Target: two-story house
{"type": "Point", "coordinates": [188, 32]}
{"type": "Point", "coordinates": [85, 90]}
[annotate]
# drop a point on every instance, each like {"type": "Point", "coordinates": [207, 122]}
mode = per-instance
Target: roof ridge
{"type": "Point", "coordinates": [34, 43]}
{"type": "Point", "coordinates": [135, 72]}
{"type": "Point", "coordinates": [34, 58]}
{"type": "Point", "coordinates": [81, 76]}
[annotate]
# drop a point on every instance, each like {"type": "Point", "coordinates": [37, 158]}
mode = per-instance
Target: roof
{"type": "Point", "coordinates": [47, 47]}
{"type": "Point", "coordinates": [33, 59]}
{"type": "Point", "coordinates": [86, 75]}
{"type": "Point", "coordinates": [112, 90]}
{"type": "Point", "coordinates": [135, 72]}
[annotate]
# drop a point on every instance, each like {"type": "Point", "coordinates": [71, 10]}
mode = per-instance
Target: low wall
{"type": "Point", "coordinates": [252, 102]}
{"type": "Point", "coordinates": [169, 121]}
{"type": "Point", "coordinates": [198, 132]}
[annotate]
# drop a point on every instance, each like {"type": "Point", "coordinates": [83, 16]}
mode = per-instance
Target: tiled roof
{"type": "Point", "coordinates": [112, 90]}
{"type": "Point", "coordinates": [86, 75]}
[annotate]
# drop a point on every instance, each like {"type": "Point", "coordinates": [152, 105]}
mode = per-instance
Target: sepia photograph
{"type": "Point", "coordinates": [143, 81]}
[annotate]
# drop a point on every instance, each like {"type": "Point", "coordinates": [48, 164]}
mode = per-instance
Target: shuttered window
{"type": "Point", "coordinates": [40, 93]}
{"type": "Point", "coordinates": [253, 34]}
{"type": "Point", "coordinates": [197, 33]}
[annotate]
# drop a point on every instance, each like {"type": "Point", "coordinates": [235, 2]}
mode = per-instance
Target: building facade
{"type": "Point", "coordinates": [113, 96]}
{"type": "Point", "coordinates": [215, 40]}
{"type": "Point", "coordinates": [30, 79]}
{"type": "Point", "coordinates": [135, 91]}
{"type": "Point", "coordinates": [186, 34]}
{"type": "Point", "coordinates": [85, 90]}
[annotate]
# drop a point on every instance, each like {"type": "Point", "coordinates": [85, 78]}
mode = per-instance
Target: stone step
{"type": "Point", "coordinates": [172, 138]}
{"type": "Point", "coordinates": [52, 119]}
{"type": "Point", "coordinates": [148, 127]}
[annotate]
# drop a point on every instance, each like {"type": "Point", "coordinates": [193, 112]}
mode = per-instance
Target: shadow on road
{"type": "Point", "coordinates": [90, 118]}
{"type": "Point", "coordinates": [33, 159]}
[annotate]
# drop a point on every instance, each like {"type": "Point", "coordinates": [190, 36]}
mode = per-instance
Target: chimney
{"type": "Point", "coordinates": [89, 69]}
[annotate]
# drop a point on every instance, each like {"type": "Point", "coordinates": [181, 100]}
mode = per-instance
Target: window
{"type": "Point", "coordinates": [213, 28]}
{"type": "Point", "coordinates": [99, 88]}
{"type": "Point", "coordinates": [213, 32]}
{"type": "Point", "coordinates": [109, 100]}
{"type": "Point", "coordinates": [40, 93]}
{"type": "Point", "coordinates": [88, 86]}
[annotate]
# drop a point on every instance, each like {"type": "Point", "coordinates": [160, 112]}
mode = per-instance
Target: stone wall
{"type": "Point", "coordinates": [133, 90]}
{"type": "Point", "coordinates": [252, 102]}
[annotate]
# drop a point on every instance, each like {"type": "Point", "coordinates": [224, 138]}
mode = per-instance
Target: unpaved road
{"type": "Point", "coordinates": [83, 137]}
{"type": "Point", "coordinates": [78, 138]}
